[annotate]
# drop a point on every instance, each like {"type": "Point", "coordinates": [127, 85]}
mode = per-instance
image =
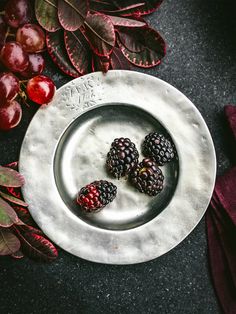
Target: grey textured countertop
{"type": "Point", "coordinates": [200, 62]}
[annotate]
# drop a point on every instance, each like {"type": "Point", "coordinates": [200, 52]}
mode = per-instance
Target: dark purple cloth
{"type": "Point", "coordinates": [221, 231]}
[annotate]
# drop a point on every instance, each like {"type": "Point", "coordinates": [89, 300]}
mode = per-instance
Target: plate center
{"type": "Point", "coordinates": [80, 159]}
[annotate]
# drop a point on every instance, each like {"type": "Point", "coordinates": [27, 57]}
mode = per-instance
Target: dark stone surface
{"type": "Point", "coordinates": [201, 62]}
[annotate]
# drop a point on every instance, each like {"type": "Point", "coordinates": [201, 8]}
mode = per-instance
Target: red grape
{"type": "Point", "coordinates": [14, 57]}
{"type": "Point", "coordinates": [40, 89]}
{"type": "Point", "coordinates": [35, 67]}
{"type": "Point", "coordinates": [3, 31]}
{"type": "Point", "coordinates": [10, 115]}
{"type": "Point", "coordinates": [9, 87]}
{"type": "Point", "coordinates": [18, 12]}
{"type": "Point", "coordinates": [31, 37]}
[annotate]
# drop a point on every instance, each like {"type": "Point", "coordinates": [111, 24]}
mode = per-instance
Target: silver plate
{"type": "Point", "coordinates": [65, 148]}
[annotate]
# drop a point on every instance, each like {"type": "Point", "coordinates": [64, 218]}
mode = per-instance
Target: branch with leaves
{"type": "Point", "coordinates": [18, 233]}
{"type": "Point", "coordinates": [97, 35]}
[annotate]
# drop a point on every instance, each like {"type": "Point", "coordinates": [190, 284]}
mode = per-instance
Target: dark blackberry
{"type": "Point", "coordinates": [147, 177]}
{"type": "Point", "coordinates": [122, 157]}
{"type": "Point", "coordinates": [159, 148]}
{"type": "Point", "coordinates": [96, 195]}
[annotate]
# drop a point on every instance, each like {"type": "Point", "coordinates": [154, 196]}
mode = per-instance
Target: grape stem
{"type": "Point", "coordinates": [2, 12]}
{"type": "Point", "coordinates": [7, 33]}
{"type": "Point", "coordinates": [23, 81]}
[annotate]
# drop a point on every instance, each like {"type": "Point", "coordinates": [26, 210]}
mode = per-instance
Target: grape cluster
{"type": "Point", "coordinates": [21, 62]}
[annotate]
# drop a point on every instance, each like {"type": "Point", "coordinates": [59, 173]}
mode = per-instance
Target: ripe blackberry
{"type": "Point", "coordinates": [147, 177]}
{"type": "Point", "coordinates": [122, 157]}
{"type": "Point", "coordinates": [159, 148]}
{"type": "Point", "coordinates": [96, 195]}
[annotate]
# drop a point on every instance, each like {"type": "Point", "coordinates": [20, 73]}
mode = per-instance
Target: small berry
{"type": "Point", "coordinates": [14, 57]}
{"type": "Point", "coordinates": [10, 115]}
{"type": "Point", "coordinates": [31, 37]}
{"type": "Point", "coordinates": [9, 87]}
{"type": "Point", "coordinates": [96, 195]}
{"type": "Point", "coordinates": [159, 148]}
{"type": "Point", "coordinates": [122, 157]}
{"type": "Point", "coordinates": [40, 89]}
{"type": "Point", "coordinates": [147, 177]}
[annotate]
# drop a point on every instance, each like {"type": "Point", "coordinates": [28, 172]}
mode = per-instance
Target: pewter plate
{"type": "Point", "coordinates": [65, 148]}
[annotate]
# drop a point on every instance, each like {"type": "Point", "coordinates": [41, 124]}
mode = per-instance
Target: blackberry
{"type": "Point", "coordinates": [122, 157]}
{"type": "Point", "coordinates": [147, 177]}
{"type": "Point", "coordinates": [159, 148]}
{"type": "Point", "coordinates": [96, 195]}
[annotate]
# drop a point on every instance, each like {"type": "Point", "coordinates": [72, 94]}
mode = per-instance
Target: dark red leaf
{"type": "Point", "coordinates": [36, 246]}
{"type": "Point", "coordinates": [16, 192]}
{"type": "Point", "coordinates": [13, 199]}
{"type": "Point", "coordinates": [128, 39]}
{"type": "Point", "coordinates": [72, 13]}
{"type": "Point", "coordinates": [96, 5]}
{"type": "Point", "coordinates": [118, 60]}
{"type": "Point", "coordinates": [24, 215]}
{"type": "Point", "coordinates": [13, 165]}
{"type": "Point", "coordinates": [100, 64]}
{"type": "Point", "coordinates": [7, 215]}
{"type": "Point", "coordinates": [145, 48]}
{"type": "Point", "coordinates": [17, 255]}
{"type": "Point", "coordinates": [9, 243]}
{"type": "Point", "coordinates": [78, 51]}
{"type": "Point", "coordinates": [46, 14]}
{"type": "Point", "coordinates": [10, 177]}
{"type": "Point", "coordinates": [148, 7]}
{"type": "Point", "coordinates": [27, 228]}
{"type": "Point", "coordinates": [124, 9]}
{"type": "Point", "coordinates": [58, 53]}
{"type": "Point", "coordinates": [122, 21]}
{"type": "Point", "coordinates": [100, 33]}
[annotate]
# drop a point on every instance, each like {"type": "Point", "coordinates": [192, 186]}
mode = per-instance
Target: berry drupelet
{"type": "Point", "coordinates": [147, 177]}
{"type": "Point", "coordinates": [159, 148]}
{"type": "Point", "coordinates": [96, 195]}
{"type": "Point", "coordinates": [122, 157]}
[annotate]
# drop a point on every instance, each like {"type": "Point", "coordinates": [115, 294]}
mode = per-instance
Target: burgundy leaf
{"type": "Point", "coordinates": [46, 14]}
{"type": "Point", "coordinates": [36, 246]}
{"type": "Point", "coordinates": [122, 21]}
{"type": "Point", "coordinates": [150, 7]}
{"type": "Point", "coordinates": [13, 199]}
{"type": "Point", "coordinates": [118, 60]}
{"type": "Point", "coordinates": [13, 165]}
{"type": "Point", "coordinates": [10, 177]}
{"type": "Point", "coordinates": [96, 5]}
{"type": "Point", "coordinates": [149, 44]}
{"type": "Point", "coordinates": [24, 215]}
{"type": "Point", "coordinates": [126, 10]}
{"type": "Point", "coordinates": [100, 33]}
{"type": "Point", "coordinates": [78, 51]}
{"type": "Point", "coordinates": [7, 214]}
{"type": "Point", "coordinates": [27, 228]}
{"type": "Point", "coordinates": [16, 192]}
{"type": "Point", "coordinates": [17, 255]}
{"type": "Point", "coordinates": [72, 13]}
{"type": "Point", "coordinates": [128, 40]}
{"type": "Point", "coordinates": [100, 64]}
{"type": "Point", "coordinates": [147, 7]}
{"type": "Point", "coordinates": [58, 53]}
{"type": "Point", "coordinates": [9, 243]}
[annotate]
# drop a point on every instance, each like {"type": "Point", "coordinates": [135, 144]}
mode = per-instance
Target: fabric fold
{"type": "Point", "coordinates": [221, 230]}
